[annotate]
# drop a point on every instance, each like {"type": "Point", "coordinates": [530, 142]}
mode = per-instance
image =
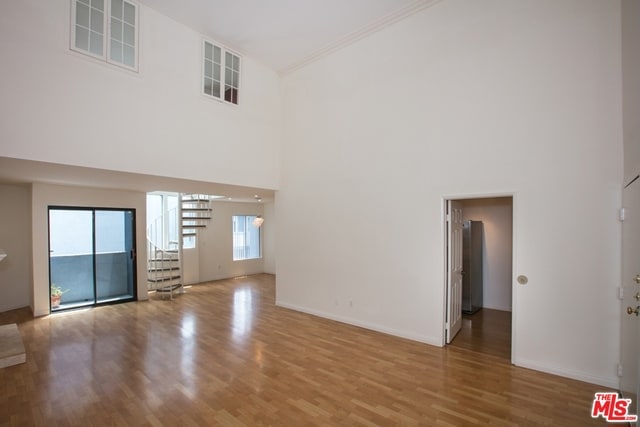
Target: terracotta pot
{"type": "Point", "coordinates": [55, 301]}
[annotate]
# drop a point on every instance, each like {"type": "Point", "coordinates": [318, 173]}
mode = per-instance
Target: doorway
{"type": "Point", "coordinates": [630, 324]}
{"type": "Point", "coordinates": [92, 256]}
{"type": "Point", "coordinates": [488, 327]}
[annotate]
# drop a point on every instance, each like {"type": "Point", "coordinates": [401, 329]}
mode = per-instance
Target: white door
{"type": "Point", "coordinates": [630, 322]}
{"type": "Point", "coordinates": [454, 269]}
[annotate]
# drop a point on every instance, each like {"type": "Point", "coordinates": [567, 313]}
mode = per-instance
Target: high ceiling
{"type": "Point", "coordinates": [284, 34]}
{"type": "Point", "coordinates": [281, 34]}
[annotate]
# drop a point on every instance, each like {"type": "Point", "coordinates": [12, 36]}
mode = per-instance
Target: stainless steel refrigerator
{"type": "Point", "coordinates": [472, 257]}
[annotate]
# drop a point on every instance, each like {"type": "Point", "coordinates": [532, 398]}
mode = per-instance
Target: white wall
{"type": "Point", "coordinates": [15, 240]}
{"type": "Point", "coordinates": [497, 277]}
{"type": "Point", "coordinates": [45, 195]}
{"type": "Point", "coordinates": [191, 265]}
{"type": "Point", "coordinates": [64, 107]}
{"type": "Point", "coordinates": [215, 243]}
{"type": "Point", "coordinates": [462, 99]}
{"type": "Point", "coordinates": [631, 84]}
{"type": "Point", "coordinates": [269, 234]}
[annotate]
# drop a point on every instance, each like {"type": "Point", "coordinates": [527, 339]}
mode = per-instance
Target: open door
{"type": "Point", "coordinates": [454, 269]}
{"type": "Point", "coordinates": [630, 322]}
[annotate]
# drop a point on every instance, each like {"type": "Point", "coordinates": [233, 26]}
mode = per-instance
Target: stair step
{"type": "Point", "coordinates": [192, 199]}
{"type": "Point", "coordinates": [197, 209]}
{"type": "Point", "coordinates": [169, 288]}
{"type": "Point", "coordinates": [156, 269]}
{"type": "Point", "coordinates": [194, 226]}
{"type": "Point", "coordinates": [163, 279]}
{"type": "Point", "coordinates": [11, 346]}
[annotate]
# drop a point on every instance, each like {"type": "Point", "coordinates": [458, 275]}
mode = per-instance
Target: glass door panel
{"type": "Point", "coordinates": [71, 258]}
{"type": "Point", "coordinates": [114, 255]}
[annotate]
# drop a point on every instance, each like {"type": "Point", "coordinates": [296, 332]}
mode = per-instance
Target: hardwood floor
{"type": "Point", "coordinates": [224, 354]}
{"type": "Point", "coordinates": [486, 331]}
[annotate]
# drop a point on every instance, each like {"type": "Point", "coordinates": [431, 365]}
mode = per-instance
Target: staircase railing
{"type": "Point", "coordinates": [165, 240]}
{"type": "Point", "coordinates": [163, 257]}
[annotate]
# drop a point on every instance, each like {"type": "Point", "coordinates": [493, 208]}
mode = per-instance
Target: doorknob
{"type": "Point", "coordinates": [635, 311]}
{"type": "Point", "coordinates": [637, 279]}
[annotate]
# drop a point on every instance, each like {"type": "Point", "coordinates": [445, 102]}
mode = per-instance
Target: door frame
{"type": "Point", "coordinates": [514, 286]}
{"type": "Point", "coordinates": [629, 329]}
{"type": "Point", "coordinates": [134, 251]}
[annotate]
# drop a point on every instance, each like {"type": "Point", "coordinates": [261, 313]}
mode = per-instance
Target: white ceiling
{"type": "Point", "coordinates": [284, 34]}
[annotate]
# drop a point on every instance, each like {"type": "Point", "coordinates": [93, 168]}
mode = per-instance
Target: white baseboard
{"type": "Point", "coordinates": [13, 307]}
{"type": "Point", "coordinates": [435, 341]}
{"type": "Point", "coordinates": [495, 307]}
{"type": "Point", "coordinates": [610, 382]}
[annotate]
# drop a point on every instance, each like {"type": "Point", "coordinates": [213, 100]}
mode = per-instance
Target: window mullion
{"type": "Point", "coordinates": [223, 70]}
{"type": "Point", "coordinates": [106, 43]}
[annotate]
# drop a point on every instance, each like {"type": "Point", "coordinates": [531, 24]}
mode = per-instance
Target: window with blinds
{"type": "Point", "coordinates": [246, 238]}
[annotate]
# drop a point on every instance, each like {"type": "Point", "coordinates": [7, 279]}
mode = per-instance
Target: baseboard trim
{"type": "Point", "coordinates": [13, 307]}
{"type": "Point", "coordinates": [610, 382]}
{"type": "Point", "coordinates": [435, 341]}
{"type": "Point", "coordinates": [497, 308]}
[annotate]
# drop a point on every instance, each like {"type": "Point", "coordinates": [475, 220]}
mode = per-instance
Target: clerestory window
{"type": "Point", "coordinates": [106, 30]}
{"type": "Point", "coordinates": [221, 76]}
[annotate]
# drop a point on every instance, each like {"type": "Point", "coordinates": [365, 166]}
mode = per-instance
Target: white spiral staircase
{"type": "Point", "coordinates": [165, 238]}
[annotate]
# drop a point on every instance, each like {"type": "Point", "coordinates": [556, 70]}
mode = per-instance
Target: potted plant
{"type": "Point", "coordinates": [56, 295]}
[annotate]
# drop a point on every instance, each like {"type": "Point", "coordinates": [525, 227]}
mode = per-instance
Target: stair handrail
{"type": "Point", "coordinates": [160, 257]}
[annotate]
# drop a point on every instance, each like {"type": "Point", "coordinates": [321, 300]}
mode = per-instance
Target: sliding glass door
{"type": "Point", "coordinates": [91, 256]}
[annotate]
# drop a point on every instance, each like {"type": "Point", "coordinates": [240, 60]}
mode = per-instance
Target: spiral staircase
{"type": "Point", "coordinates": [166, 237]}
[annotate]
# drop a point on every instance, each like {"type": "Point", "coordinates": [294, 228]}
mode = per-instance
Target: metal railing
{"type": "Point", "coordinates": [163, 253]}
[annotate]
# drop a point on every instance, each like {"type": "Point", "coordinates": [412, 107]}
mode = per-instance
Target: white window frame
{"type": "Point", "coordinates": [106, 35]}
{"type": "Point", "coordinates": [223, 69]}
{"type": "Point", "coordinates": [247, 224]}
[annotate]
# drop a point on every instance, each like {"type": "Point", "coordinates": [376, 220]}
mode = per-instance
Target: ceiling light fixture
{"type": "Point", "coordinates": [258, 221]}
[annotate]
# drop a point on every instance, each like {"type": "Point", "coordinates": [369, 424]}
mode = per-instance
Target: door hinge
{"type": "Point", "coordinates": [620, 293]}
{"type": "Point", "coordinates": [619, 370]}
{"type": "Point", "coordinates": [448, 217]}
{"type": "Point", "coordinates": [621, 214]}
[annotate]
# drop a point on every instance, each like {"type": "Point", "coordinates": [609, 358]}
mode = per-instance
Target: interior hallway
{"type": "Point", "coordinates": [486, 331]}
{"type": "Point", "coordinates": [224, 354]}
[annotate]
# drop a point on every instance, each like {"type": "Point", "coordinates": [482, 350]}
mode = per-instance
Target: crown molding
{"type": "Point", "coordinates": [361, 33]}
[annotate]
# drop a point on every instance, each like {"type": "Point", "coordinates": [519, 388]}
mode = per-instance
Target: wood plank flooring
{"type": "Point", "coordinates": [224, 354]}
{"type": "Point", "coordinates": [486, 331]}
